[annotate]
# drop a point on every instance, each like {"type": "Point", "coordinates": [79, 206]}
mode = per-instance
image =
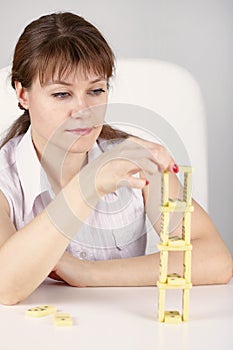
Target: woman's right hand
{"type": "Point", "coordinates": [117, 166]}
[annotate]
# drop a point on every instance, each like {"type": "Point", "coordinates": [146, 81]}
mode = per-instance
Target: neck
{"type": "Point", "coordinates": [61, 166]}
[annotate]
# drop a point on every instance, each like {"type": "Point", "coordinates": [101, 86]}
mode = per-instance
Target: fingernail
{"type": "Point", "coordinates": [147, 182]}
{"type": "Point", "coordinates": [175, 168]}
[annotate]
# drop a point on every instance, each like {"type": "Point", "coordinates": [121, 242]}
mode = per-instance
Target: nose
{"type": "Point", "coordinates": [82, 113]}
{"type": "Point", "coordinates": [80, 108]}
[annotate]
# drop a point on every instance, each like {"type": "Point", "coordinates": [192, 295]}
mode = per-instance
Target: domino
{"type": "Point", "coordinates": [163, 266]}
{"type": "Point", "coordinates": [41, 311]}
{"type": "Point", "coordinates": [165, 187]}
{"type": "Point", "coordinates": [187, 266]}
{"type": "Point", "coordinates": [172, 317]}
{"type": "Point", "coordinates": [175, 279]}
{"type": "Point", "coordinates": [61, 320]}
{"type": "Point", "coordinates": [164, 227]}
{"type": "Point", "coordinates": [175, 243]}
{"type": "Point", "coordinates": [180, 207]}
{"type": "Point", "coordinates": [186, 227]}
{"type": "Point", "coordinates": [186, 169]}
{"type": "Point", "coordinates": [185, 305]}
{"type": "Point", "coordinates": [161, 304]}
{"type": "Point", "coordinates": [177, 204]}
{"type": "Point", "coordinates": [183, 285]}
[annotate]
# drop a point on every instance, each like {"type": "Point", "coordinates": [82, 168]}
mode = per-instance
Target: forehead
{"type": "Point", "coordinates": [71, 78]}
{"type": "Point", "coordinates": [79, 74]}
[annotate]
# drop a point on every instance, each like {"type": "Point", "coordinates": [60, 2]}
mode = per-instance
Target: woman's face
{"type": "Point", "coordinates": [67, 113]}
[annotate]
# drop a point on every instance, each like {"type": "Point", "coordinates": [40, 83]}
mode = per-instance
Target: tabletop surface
{"type": "Point", "coordinates": [119, 318]}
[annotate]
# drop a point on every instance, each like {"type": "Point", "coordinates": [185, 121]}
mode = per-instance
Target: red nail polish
{"type": "Point", "coordinates": [175, 168]}
{"type": "Point", "coordinates": [147, 182]}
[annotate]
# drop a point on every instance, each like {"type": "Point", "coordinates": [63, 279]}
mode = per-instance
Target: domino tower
{"type": "Point", "coordinates": [175, 243]}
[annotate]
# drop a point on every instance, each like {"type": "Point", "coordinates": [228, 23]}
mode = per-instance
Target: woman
{"type": "Point", "coordinates": [63, 170]}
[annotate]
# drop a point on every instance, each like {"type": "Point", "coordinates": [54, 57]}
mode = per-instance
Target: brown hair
{"type": "Point", "coordinates": [58, 43]}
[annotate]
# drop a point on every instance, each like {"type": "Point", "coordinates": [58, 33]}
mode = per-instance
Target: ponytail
{"type": "Point", "coordinates": [19, 127]}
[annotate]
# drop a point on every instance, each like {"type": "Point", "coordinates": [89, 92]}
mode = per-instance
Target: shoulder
{"type": "Point", "coordinates": [106, 145]}
{"type": "Point", "coordinates": [4, 204]}
{"type": "Point", "coordinates": [7, 153]}
{"type": "Point", "coordinates": [8, 170]}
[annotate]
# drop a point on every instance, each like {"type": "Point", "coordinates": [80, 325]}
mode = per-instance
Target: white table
{"type": "Point", "coordinates": [119, 318]}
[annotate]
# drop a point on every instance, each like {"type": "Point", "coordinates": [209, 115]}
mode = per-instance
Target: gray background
{"type": "Point", "coordinates": [194, 34]}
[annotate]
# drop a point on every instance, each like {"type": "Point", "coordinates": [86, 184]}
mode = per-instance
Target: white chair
{"type": "Point", "coordinates": [160, 95]}
{"type": "Point", "coordinates": [9, 110]}
{"type": "Point", "coordinates": [172, 93]}
{"type": "Point", "coordinates": [166, 104]}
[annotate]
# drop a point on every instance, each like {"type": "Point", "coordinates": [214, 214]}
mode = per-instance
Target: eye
{"type": "Point", "coordinates": [61, 95]}
{"type": "Point", "coordinates": [96, 92]}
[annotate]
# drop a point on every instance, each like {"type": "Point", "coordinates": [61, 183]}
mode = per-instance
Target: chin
{"type": "Point", "coordinates": [85, 143]}
{"type": "Point", "coordinates": [84, 148]}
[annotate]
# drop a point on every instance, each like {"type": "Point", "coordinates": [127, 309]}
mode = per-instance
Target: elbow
{"type": "Point", "coordinates": [225, 270]}
{"type": "Point", "coordinates": [9, 298]}
{"type": "Point", "coordinates": [215, 269]}
{"type": "Point", "coordinates": [229, 272]}
{"type": "Point", "coordinates": [8, 301]}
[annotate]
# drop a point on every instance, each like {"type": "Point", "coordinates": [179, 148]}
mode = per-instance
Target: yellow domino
{"type": "Point", "coordinates": [172, 317]}
{"type": "Point", "coordinates": [187, 266]}
{"type": "Point", "coordinates": [186, 169]}
{"type": "Point", "coordinates": [61, 320]}
{"type": "Point", "coordinates": [41, 311]}
{"type": "Point", "coordinates": [177, 203]}
{"type": "Point", "coordinates": [185, 285]}
{"type": "Point", "coordinates": [165, 187]}
{"type": "Point", "coordinates": [177, 208]}
{"type": "Point", "coordinates": [171, 248]}
{"type": "Point", "coordinates": [163, 266]}
{"type": "Point", "coordinates": [161, 304]}
{"type": "Point", "coordinates": [164, 227]}
{"type": "Point", "coordinates": [186, 227]}
{"type": "Point", "coordinates": [175, 279]}
{"type": "Point", "coordinates": [186, 295]}
{"type": "Point", "coordinates": [176, 241]}
{"type": "Point", "coordinates": [187, 193]}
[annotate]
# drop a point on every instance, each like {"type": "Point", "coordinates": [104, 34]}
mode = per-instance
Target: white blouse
{"type": "Point", "coordinates": [116, 227]}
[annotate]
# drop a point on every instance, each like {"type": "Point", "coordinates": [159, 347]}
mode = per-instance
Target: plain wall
{"type": "Point", "coordinates": [194, 34]}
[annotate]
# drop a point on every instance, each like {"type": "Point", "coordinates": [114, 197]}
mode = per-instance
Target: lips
{"type": "Point", "coordinates": [81, 132]}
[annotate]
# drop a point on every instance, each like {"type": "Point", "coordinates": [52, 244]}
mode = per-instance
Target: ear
{"type": "Point", "coordinates": [22, 94]}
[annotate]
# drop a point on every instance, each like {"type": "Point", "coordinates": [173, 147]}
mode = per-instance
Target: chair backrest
{"type": "Point", "coordinates": [156, 91]}
{"type": "Point", "coordinates": [9, 110]}
{"type": "Point", "coordinates": [174, 96]}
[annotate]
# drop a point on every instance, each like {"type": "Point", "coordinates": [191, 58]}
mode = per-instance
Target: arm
{"type": "Point", "coordinates": [211, 264]}
{"type": "Point", "coordinates": [28, 255]}
{"type": "Point", "coordinates": [211, 260]}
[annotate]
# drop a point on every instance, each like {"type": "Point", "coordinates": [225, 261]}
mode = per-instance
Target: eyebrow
{"type": "Point", "coordinates": [63, 82]}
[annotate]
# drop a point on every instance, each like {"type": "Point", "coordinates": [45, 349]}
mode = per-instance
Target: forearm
{"type": "Point", "coordinates": [209, 266]}
{"type": "Point", "coordinates": [137, 271]}
{"type": "Point", "coordinates": [211, 262]}
{"type": "Point", "coordinates": [27, 257]}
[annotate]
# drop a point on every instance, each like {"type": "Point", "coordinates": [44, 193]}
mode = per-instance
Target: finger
{"type": "Point", "coordinates": [175, 168]}
{"type": "Point", "coordinates": [148, 166]}
{"type": "Point", "coordinates": [155, 152]}
{"type": "Point", "coordinates": [164, 160]}
{"type": "Point", "coordinates": [53, 275]}
{"type": "Point", "coordinates": [133, 182]}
